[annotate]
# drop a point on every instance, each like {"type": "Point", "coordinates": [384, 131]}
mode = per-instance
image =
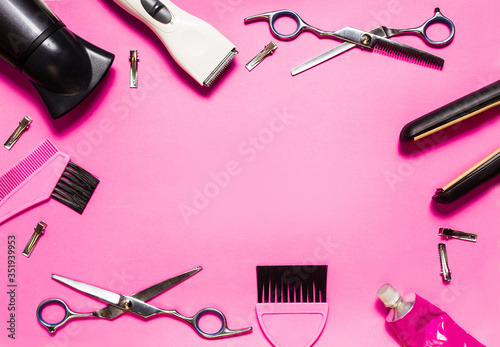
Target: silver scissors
{"type": "Point", "coordinates": [376, 39]}
{"type": "Point", "coordinates": [135, 303]}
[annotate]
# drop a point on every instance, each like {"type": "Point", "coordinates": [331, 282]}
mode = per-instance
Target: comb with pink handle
{"type": "Point", "coordinates": [292, 308]}
{"type": "Point", "coordinates": [44, 173]}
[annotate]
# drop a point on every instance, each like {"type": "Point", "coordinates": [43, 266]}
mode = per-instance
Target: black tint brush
{"type": "Point", "coordinates": [292, 308]}
{"type": "Point", "coordinates": [45, 173]}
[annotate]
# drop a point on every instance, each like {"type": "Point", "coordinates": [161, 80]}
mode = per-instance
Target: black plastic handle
{"type": "Point", "coordinates": [451, 113]}
{"type": "Point", "coordinates": [483, 173]}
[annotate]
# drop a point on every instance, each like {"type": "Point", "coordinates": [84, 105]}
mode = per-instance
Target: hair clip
{"type": "Point", "coordinates": [455, 234]}
{"type": "Point", "coordinates": [23, 126]}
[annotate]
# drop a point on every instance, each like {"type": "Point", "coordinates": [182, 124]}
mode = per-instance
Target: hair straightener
{"type": "Point", "coordinates": [201, 50]}
{"type": "Point", "coordinates": [450, 114]}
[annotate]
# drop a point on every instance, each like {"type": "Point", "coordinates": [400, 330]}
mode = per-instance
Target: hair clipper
{"type": "Point", "coordinates": [201, 50]}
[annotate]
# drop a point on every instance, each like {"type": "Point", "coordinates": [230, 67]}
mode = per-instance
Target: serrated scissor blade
{"type": "Point", "coordinates": [379, 43]}
{"type": "Point", "coordinates": [405, 52]}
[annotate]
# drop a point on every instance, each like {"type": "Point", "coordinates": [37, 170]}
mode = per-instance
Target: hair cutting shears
{"type": "Point", "coordinates": [135, 303]}
{"type": "Point", "coordinates": [376, 39]}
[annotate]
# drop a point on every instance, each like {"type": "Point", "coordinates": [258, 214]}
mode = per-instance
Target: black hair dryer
{"type": "Point", "coordinates": [63, 67]}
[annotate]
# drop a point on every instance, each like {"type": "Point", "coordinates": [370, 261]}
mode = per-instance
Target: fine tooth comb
{"type": "Point", "coordinates": [292, 308]}
{"type": "Point", "coordinates": [45, 173]}
{"type": "Point", "coordinates": [399, 51]}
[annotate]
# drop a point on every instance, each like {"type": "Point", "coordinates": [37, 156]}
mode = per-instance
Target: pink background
{"type": "Point", "coordinates": [331, 185]}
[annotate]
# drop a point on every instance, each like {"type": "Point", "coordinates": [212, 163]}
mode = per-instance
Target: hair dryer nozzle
{"type": "Point", "coordinates": [63, 67]}
{"type": "Point", "coordinates": [67, 69]}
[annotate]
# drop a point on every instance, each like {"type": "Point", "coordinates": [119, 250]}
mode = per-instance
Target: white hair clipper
{"type": "Point", "coordinates": [200, 49]}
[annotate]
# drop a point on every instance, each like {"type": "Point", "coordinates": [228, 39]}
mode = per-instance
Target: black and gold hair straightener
{"type": "Point", "coordinates": [448, 115]}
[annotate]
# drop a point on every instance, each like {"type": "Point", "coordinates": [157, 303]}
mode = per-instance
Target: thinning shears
{"type": "Point", "coordinates": [135, 303]}
{"type": "Point", "coordinates": [376, 39]}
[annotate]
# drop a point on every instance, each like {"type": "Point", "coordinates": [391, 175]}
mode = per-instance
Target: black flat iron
{"type": "Point", "coordinates": [63, 67]}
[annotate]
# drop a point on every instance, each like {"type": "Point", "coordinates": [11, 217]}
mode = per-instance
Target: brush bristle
{"type": "Point", "coordinates": [276, 284]}
{"type": "Point", "coordinates": [26, 167]}
{"type": "Point", "coordinates": [414, 55]}
{"type": "Point", "coordinates": [75, 187]}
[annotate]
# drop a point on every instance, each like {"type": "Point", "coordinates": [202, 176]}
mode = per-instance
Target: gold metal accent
{"type": "Point", "coordinates": [444, 126]}
{"type": "Point", "coordinates": [470, 170]}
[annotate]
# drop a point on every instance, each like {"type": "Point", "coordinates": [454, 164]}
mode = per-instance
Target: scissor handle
{"type": "Point", "coordinates": [223, 330]}
{"type": "Point", "coordinates": [273, 16]}
{"type": "Point", "coordinates": [68, 314]}
{"type": "Point", "coordinates": [437, 18]}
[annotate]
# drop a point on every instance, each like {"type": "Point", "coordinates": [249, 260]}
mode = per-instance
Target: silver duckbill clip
{"type": "Point", "coordinates": [443, 258]}
{"type": "Point", "coordinates": [39, 230]}
{"type": "Point", "coordinates": [268, 50]}
{"type": "Point", "coordinates": [455, 234]}
{"type": "Point", "coordinates": [23, 126]}
{"type": "Point", "coordinates": [134, 58]}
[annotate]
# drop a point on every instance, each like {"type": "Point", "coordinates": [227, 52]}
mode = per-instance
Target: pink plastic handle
{"type": "Point", "coordinates": [292, 324]}
{"type": "Point", "coordinates": [45, 166]}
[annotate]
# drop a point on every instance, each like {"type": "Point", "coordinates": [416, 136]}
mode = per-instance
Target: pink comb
{"type": "Point", "coordinates": [45, 172]}
{"type": "Point", "coordinates": [292, 308]}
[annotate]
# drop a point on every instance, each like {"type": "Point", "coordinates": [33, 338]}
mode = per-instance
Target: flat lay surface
{"type": "Point", "coordinates": [262, 168]}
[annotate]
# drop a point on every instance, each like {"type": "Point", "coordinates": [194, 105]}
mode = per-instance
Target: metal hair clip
{"type": "Point", "coordinates": [23, 126]}
{"type": "Point", "coordinates": [443, 258]}
{"type": "Point", "coordinates": [268, 50]}
{"type": "Point", "coordinates": [39, 230]}
{"type": "Point", "coordinates": [447, 232]}
{"type": "Point", "coordinates": [134, 58]}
